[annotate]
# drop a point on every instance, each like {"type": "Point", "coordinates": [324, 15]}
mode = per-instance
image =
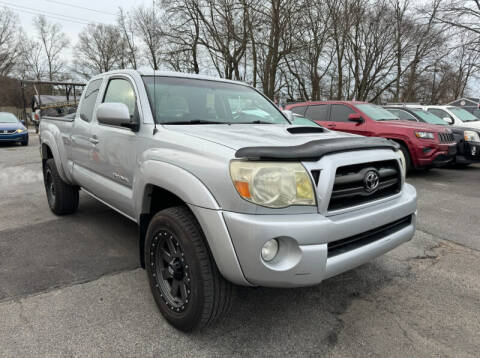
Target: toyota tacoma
{"type": "Point", "coordinates": [224, 188]}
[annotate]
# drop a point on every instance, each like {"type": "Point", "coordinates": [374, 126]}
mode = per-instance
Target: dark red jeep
{"type": "Point", "coordinates": [423, 145]}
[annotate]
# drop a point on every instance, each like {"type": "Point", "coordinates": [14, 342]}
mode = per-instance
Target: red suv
{"type": "Point", "coordinates": [423, 145]}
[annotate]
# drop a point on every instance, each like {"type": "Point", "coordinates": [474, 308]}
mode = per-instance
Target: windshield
{"type": "Point", "coordinates": [429, 117]}
{"type": "Point", "coordinates": [376, 113]}
{"type": "Point", "coordinates": [463, 114]}
{"type": "Point", "coordinates": [191, 101]}
{"type": "Point", "coordinates": [6, 117]}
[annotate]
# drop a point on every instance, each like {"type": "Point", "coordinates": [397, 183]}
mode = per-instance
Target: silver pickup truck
{"type": "Point", "coordinates": [225, 189]}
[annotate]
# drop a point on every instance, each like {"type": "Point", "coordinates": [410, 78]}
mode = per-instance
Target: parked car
{"type": "Point", "coordinates": [423, 145]}
{"type": "Point", "coordinates": [223, 196]}
{"type": "Point", "coordinates": [468, 139]}
{"type": "Point", "coordinates": [12, 129]}
{"type": "Point", "coordinates": [454, 115]}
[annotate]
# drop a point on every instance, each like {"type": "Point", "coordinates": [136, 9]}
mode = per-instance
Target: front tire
{"type": "Point", "coordinates": [189, 290]}
{"type": "Point", "coordinates": [62, 198]}
{"type": "Point", "coordinates": [408, 158]}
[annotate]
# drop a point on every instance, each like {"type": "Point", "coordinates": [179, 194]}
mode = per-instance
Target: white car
{"type": "Point", "coordinates": [452, 115]}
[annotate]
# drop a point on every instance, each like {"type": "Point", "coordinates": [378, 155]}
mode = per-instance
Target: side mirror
{"type": "Point", "coordinates": [22, 121]}
{"type": "Point", "coordinates": [355, 117]}
{"type": "Point", "coordinates": [448, 120]}
{"type": "Point", "coordinates": [116, 114]}
{"type": "Point", "coordinates": [289, 115]}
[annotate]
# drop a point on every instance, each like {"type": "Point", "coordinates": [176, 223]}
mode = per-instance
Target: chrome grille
{"type": "Point", "coordinates": [7, 131]}
{"type": "Point", "coordinates": [352, 186]}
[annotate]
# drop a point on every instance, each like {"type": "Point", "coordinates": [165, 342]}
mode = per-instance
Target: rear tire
{"type": "Point", "coordinates": [62, 198]}
{"type": "Point", "coordinates": [189, 290]}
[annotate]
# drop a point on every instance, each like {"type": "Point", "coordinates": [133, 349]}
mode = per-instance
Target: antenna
{"type": "Point", "coordinates": [155, 130]}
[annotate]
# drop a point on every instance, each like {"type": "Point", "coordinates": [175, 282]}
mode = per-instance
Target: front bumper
{"type": "Point", "coordinates": [468, 153]}
{"type": "Point", "coordinates": [436, 155]}
{"type": "Point", "coordinates": [303, 257]}
{"type": "Point", "coordinates": [14, 137]}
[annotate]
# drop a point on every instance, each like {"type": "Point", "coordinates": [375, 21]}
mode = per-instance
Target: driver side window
{"type": "Point", "coordinates": [121, 91]}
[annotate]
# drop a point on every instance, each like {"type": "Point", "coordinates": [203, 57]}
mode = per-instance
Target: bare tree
{"type": "Point", "coordinates": [54, 41]}
{"type": "Point", "coordinates": [130, 48]}
{"type": "Point", "coordinates": [277, 32]}
{"type": "Point", "coordinates": [99, 49]}
{"type": "Point", "coordinates": [310, 63]}
{"type": "Point", "coordinates": [225, 33]}
{"type": "Point", "coordinates": [9, 41]}
{"type": "Point", "coordinates": [32, 60]}
{"type": "Point", "coordinates": [182, 35]}
{"type": "Point", "coordinates": [147, 23]}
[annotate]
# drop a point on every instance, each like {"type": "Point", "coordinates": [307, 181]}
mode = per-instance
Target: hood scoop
{"type": "Point", "coordinates": [305, 130]}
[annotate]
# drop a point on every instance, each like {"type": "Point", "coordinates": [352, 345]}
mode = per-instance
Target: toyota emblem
{"type": "Point", "coordinates": [371, 181]}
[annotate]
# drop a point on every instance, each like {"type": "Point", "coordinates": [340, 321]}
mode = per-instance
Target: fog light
{"type": "Point", "coordinates": [270, 250]}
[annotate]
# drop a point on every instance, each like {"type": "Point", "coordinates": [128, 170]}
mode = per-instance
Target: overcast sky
{"type": "Point", "coordinates": [71, 14]}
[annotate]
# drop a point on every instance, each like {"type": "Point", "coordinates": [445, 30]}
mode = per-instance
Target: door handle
{"type": "Point", "coordinates": [93, 140]}
{"type": "Point", "coordinates": [331, 125]}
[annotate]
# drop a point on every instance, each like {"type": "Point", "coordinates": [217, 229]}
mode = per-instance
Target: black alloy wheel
{"type": "Point", "coordinates": [171, 270]}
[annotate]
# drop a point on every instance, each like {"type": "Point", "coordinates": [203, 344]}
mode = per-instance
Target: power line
{"type": "Point", "coordinates": [49, 16]}
{"type": "Point", "coordinates": [57, 16]}
{"type": "Point", "coordinates": [81, 7]}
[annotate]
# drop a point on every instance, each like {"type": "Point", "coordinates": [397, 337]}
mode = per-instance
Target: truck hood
{"type": "Point", "coordinates": [421, 126]}
{"type": "Point", "coordinates": [236, 136]}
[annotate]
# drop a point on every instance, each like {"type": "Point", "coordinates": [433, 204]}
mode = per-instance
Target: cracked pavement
{"type": "Point", "coordinates": [71, 286]}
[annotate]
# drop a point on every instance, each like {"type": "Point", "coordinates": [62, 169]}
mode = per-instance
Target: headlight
{"type": "Point", "coordinates": [19, 130]}
{"type": "Point", "coordinates": [471, 136]}
{"type": "Point", "coordinates": [424, 135]}
{"type": "Point", "coordinates": [272, 184]}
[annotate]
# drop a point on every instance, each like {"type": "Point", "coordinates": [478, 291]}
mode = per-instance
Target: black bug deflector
{"type": "Point", "coordinates": [316, 149]}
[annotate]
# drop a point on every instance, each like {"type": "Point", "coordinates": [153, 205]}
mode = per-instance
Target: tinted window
{"type": "Point", "coordinates": [340, 113]}
{"type": "Point", "coordinates": [88, 103]}
{"type": "Point", "coordinates": [317, 113]}
{"type": "Point", "coordinates": [121, 91]}
{"type": "Point", "coordinates": [439, 113]}
{"type": "Point", "coordinates": [402, 114]}
{"type": "Point", "coordinates": [299, 110]}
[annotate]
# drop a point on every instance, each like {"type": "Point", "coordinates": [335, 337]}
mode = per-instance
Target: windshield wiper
{"type": "Point", "coordinates": [195, 121]}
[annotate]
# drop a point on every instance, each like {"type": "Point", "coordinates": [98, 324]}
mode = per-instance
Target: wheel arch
{"type": "Point", "coordinates": [157, 191]}
{"type": "Point", "coordinates": [405, 142]}
{"type": "Point", "coordinates": [49, 150]}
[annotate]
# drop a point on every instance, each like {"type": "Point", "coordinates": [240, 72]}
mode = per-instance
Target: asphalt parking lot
{"type": "Point", "coordinates": [72, 286]}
